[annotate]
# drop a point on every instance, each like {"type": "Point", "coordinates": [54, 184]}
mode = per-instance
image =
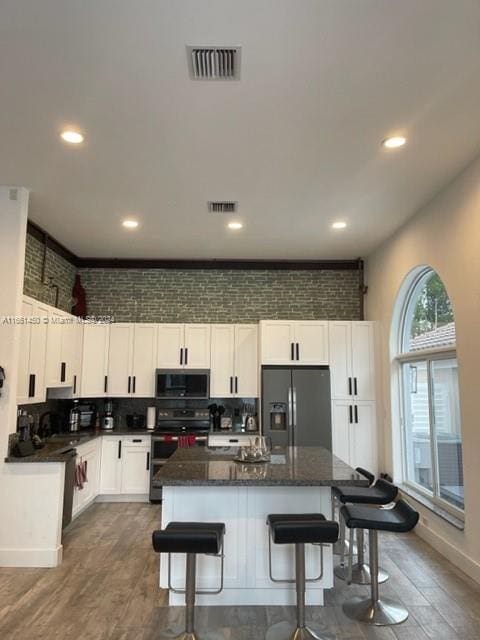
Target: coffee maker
{"type": "Point", "coordinates": [107, 420]}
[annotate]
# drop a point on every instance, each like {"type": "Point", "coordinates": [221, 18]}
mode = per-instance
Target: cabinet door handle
{"type": "Point", "coordinates": [231, 384]}
{"type": "Point", "coordinates": [350, 414]}
{"type": "Point", "coordinates": [186, 355]}
{"type": "Point", "coordinates": [349, 386]}
{"type": "Point", "coordinates": [148, 460]}
{"type": "Point", "coordinates": [63, 371]}
{"type": "Point", "coordinates": [74, 384]}
{"type": "Point", "coordinates": [181, 356]}
{"type": "Point", "coordinates": [137, 440]}
{"type": "Point", "coordinates": [356, 414]}
{"type": "Point", "coordinates": [292, 351]}
{"type": "Point", "coordinates": [236, 384]}
{"type": "Point", "coordinates": [105, 384]}
{"type": "Point", "coordinates": [31, 386]}
{"type": "Point", "coordinates": [298, 351]}
{"type": "Point", "coordinates": [119, 449]}
{"type": "Point", "coordinates": [134, 383]}
{"type": "Point", "coordinates": [128, 384]}
{"type": "Point", "coordinates": [355, 391]}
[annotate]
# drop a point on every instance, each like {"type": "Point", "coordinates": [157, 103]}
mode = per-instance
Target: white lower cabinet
{"type": "Point", "coordinates": [125, 466]}
{"type": "Point", "coordinates": [354, 433]}
{"type": "Point", "coordinates": [136, 467]}
{"type": "Point", "coordinates": [90, 454]}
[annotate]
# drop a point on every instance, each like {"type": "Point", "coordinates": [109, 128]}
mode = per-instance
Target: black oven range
{"type": "Point", "coordinates": [176, 428]}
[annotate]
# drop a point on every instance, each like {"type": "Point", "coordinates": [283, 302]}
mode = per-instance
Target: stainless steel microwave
{"type": "Point", "coordinates": [178, 384]}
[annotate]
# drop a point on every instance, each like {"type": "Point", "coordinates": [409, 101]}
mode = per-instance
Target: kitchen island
{"type": "Point", "coordinates": [207, 485]}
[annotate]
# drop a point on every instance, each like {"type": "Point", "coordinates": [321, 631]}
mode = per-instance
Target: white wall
{"type": "Point", "coordinates": [30, 494]}
{"type": "Point", "coordinates": [445, 235]}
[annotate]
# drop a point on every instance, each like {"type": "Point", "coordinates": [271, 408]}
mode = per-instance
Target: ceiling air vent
{"type": "Point", "coordinates": [226, 206]}
{"type": "Point", "coordinates": [214, 63]}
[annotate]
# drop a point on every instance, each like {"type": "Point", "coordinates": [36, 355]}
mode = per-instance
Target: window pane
{"type": "Point", "coordinates": [417, 424]}
{"type": "Point", "coordinates": [429, 320]}
{"type": "Point", "coordinates": [448, 431]}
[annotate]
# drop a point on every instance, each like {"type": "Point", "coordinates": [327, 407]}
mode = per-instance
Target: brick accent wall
{"type": "Point", "coordinates": [170, 295]}
{"type": "Point", "coordinates": [62, 272]}
{"type": "Point", "coordinates": [196, 295]}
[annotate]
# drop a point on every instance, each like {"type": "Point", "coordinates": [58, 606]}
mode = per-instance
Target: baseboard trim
{"type": "Point", "coordinates": [31, 557]}
{"type": "Point", "coordinates": [451, 552]}
{"type": "Point", "coordinates": [122, 498]}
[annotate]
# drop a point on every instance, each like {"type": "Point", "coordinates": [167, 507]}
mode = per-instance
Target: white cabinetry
{"type": "Point", "coordinates": [354, 433]}
{"type": "Point", "coordinates": [88, 453]}
{"type": "Point", "coordinates": [131, 360]}
{"type": "Point", "coordinates": [94, 360]}
{"type": "Point", "coordinates": [352, 360]}
{"type": "Point", "coordinates": [125, 466]}
{"type": "Point", "coordinates": [234, 361]}
{"type": "Point", "coordinates": [61, 344]}
{"type": "Point", "coordinates": [183, 346]}
{"type": "Point", "coordinates": [294, 342]}
{"type": "Point", "coordinates": [33, 340]}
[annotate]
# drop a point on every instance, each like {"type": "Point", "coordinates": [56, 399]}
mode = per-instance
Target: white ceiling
{"type": "Point", "coordinates": [295, 141]}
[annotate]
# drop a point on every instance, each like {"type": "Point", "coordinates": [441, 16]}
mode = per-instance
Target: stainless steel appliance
{"type": "Point", "coordinates": [69, 485]}
{"type": "Point", "coordinates": [171, 425]}
{"type": "Point", "coordinates": [74, 418]}
{"type": "Point", "coordinates": [108, 420]}
{"type": "Point", "coordinates": [180, 384]}
{"type": "Point", "coordinates": [296, 407]}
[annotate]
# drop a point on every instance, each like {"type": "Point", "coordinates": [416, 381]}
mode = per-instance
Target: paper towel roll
{"type": "Point", "coordinates": [151, 417]}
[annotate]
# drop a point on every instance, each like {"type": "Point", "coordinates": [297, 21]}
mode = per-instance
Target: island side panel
{"type": "Point", "coordinates": [244, 511]}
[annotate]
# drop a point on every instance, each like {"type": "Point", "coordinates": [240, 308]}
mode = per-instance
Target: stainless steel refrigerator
{"type": "Point", "coordinates": [296, 409]}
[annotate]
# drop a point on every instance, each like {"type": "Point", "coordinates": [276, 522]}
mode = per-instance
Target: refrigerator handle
{"type": "Point", "coordinates": [290, 416]}
{"type": "Point", "coordinates": [294, 408]}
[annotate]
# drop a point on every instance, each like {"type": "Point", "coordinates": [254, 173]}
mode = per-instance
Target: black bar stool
{"type": "Point", "coordinates": [341, 547]}
{"type": "Point", "coordinates": [380, 493]}
{"type": "Point", "coordinates": [400, 519]}
{"type": "Point", "coordinates": [190, 538]}
{"type": "Point", "coordinates": [299, 529]}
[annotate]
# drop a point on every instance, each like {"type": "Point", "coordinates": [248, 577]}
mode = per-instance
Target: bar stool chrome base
{"type": "Point", "coordinates": [345, 545]}
{"type": "Point", "coordinates": [288, 631]}
{"type": "Point", "coordinates": [380, 612]}
{"type": "Point", "coordinates": [361, 573]}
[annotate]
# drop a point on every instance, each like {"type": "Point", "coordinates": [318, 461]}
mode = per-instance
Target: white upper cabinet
{"type": "Point", "coordinates": [62, 341]}
{"type": "Point", "coordinates": [183, 346]}
{"type": "Point", "coordinates": [294, 342]}
{"type": "Point", "coordinates": [31, 365]}
{"type": "Point", "coordinates": [95, 360]}
{"type": "Point", "coordinates": [144, 360]}
{"type": "Point", "coordinates": [197, 346]}
{"type": "Point", "coordinates": [222, 360]}
{"type": "Point", "coordinates": [119, 375]}
{"type": "Point", "coordinates": [234, 361]}
{"type": "Point", "coordinates": [352, 360]}
{"type": "Point", "coordinates": [246, 360]}
{"type": "Point", "coordinates": [131, 359]}
{"type": "Point", "coordinates": [311, 342]}
{"type": "Point", "coordinates": [171, 338]}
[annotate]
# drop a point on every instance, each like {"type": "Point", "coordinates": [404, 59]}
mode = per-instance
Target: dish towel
{"type": "Point", "coordinates": [186, 441]}
{"type": "Point", "coordinates": [81, 474]}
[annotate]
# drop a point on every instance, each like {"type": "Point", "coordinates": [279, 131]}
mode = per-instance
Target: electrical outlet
{"type": "Point", "coordinates": [13, 194]}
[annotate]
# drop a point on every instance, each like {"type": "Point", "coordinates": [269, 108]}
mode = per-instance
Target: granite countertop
{"type": "Point", "coordinates": [57, 447]}
{"type": "Point", "coordinates": [290, 466]}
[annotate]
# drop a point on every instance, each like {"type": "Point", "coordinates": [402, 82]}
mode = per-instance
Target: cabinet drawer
{"type": "Point", "coordinates": [136, 441]}
{"type": "Point", "coordinates": [230, 440]}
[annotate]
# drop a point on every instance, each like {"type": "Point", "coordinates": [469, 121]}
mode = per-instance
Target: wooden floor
{"type": "Point", "coordinates": [107, 588]}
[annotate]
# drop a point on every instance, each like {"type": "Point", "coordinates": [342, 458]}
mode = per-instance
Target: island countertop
{"type": "Point", "coordinates": [289, 466]}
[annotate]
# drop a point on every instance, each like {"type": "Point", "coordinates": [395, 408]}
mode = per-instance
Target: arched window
{"type": "Point", "coordinates": [431, 429]}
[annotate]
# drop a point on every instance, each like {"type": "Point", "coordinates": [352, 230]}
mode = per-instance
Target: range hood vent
{"type": "Point", "coordinates": [225, 206]}
{"type": "Point", "coordinates": [214, 63]}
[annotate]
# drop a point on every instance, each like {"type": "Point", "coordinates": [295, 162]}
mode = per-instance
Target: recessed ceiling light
{"type": "Point", "coordinates": [339, 225]}
{"type": "Point", "coordinates": [394, 142]}
{"type": "Point", "coordinates": [235, 225]}
{"type": "Point", "coordinates": [129, 223]}
{"type": "Point", "coordinates": [73, 137]}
